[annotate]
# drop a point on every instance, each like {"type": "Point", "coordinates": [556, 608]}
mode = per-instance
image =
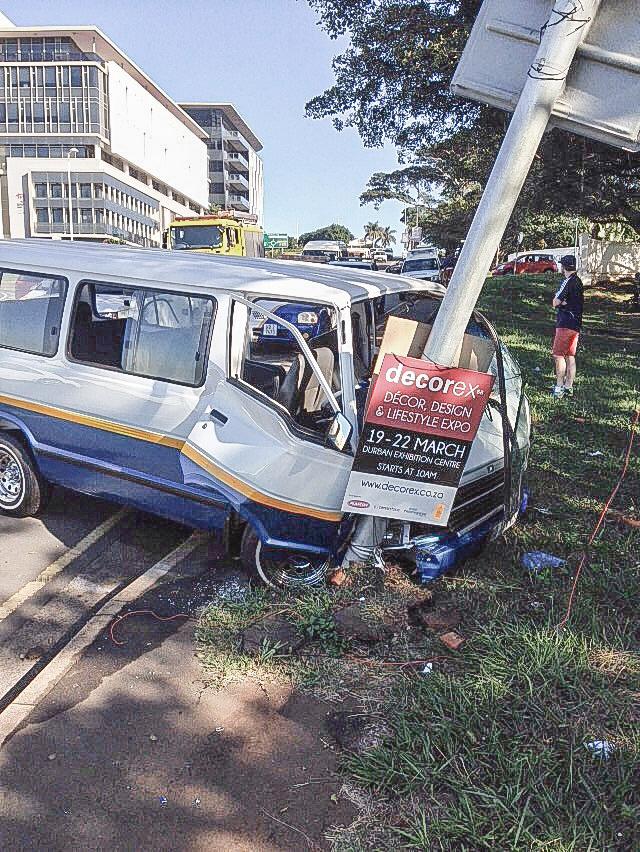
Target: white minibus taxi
{"type": "Point", "coordinates": [136, 375]}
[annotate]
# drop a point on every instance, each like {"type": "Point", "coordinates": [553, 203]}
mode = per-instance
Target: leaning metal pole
{"type": "Point", "coordinates": [566, 29]}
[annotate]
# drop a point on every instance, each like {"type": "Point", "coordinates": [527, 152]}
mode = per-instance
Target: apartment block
{"type": "Point", "coordinates": [235, 169]}
{"type": "Point", "coordinates": [90, 147]}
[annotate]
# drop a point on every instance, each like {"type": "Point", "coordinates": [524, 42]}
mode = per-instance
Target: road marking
{"type": "Point", "coordinates": [31, 695]}
{"type": "Point", "coordinates": [29, 589]}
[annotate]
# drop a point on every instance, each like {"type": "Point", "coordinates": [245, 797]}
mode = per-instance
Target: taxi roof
{"type": "Point", "coordinates": [188, 271]}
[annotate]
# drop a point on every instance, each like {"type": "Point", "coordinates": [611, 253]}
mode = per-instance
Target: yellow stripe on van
{"type": "Point", "coordinates": [94, 422]}
{"type": "Point", "coordinates": [257, 496]}
{"type": "Point", "coordinates": [174, 443]}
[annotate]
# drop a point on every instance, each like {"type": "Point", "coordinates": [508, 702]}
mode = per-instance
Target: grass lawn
{"type": "Point", "coordinates": [487, 752]}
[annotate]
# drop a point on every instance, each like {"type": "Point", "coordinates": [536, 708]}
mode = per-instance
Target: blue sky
{"type": "Point", "coordinates": [268, 58]}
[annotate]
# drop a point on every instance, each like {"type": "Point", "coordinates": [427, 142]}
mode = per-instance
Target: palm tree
{"type": "Point", "coordinates": [386, 236]}
{"type": "Point", "coordinates": [373, 232]}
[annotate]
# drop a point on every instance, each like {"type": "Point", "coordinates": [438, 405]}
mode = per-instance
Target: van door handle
{"type": "Point", "coordinates": [214, 414]}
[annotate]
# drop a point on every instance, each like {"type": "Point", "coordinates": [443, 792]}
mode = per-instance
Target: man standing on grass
{"type": "Point", "coordinates": [568, 302]}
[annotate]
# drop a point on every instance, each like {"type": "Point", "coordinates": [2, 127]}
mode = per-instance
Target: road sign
{"type": "Point", "coordinates": [601, 96]}
{"type": "Point", "coordinates": [274, 241]}
{"type": "Point", "coordinates": [416, 233]}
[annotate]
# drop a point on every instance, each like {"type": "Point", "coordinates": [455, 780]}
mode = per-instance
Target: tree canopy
{"type": "Point", "coordinates": [329, 232]}
{"type": "Point", "coordinates": [392, 84]}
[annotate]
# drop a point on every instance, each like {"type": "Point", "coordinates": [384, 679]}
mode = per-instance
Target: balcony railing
{"type": "Point", "coordinates": [239, 202]}
{"type": "Point", "coordinates": [236, 157]}
{"type": "Point", "coordinates": [237, 179]}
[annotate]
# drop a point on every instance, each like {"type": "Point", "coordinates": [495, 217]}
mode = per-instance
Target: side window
{"type": "Point", "coordinates": [266, 356]}
{"type": "Point", "coordinates": [145, 332]}
{"type": "Point", "coordinates": [31, 311]}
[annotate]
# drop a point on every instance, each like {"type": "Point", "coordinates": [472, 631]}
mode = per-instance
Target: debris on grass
{"type": "Point", "coordinates": [600, 748]}
{"type": "Point", "coordinates": [350, 624]}
{"type": "Point", "coordinates": [451, 639]}
{"type": "Point", "coordinates": [274, 632]}
{"type": "Point", "coordinates": [538, 560]}
{"type": "Point", "coordinates": [338, 577]}
{"type": "Point", "coordinates": [356, 732]}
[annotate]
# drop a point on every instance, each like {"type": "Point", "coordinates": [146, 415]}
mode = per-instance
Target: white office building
{"type": "Point", "coordinates": [90, 147]}
{"type": "Point", "coordinates": [235, 169]}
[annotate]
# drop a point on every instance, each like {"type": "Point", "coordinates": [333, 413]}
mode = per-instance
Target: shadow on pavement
{"type": "Point", "coordinates": [131, 750]}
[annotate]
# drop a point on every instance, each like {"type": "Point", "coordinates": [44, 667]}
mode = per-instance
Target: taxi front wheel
{"type": "Point", "coordinates": [286, 570]}
{"type": "Point", "coordinates": [22, 490]}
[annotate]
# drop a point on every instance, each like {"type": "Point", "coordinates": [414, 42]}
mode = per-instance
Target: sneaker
{"type": "Point", "coordinates": [567, 391]}
{"type": "Point", "coordinates": [558, 393]}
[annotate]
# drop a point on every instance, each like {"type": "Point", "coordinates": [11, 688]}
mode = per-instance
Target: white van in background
{"type": "Point", "coordinates": [422, 262]}
{"type": "Point", "coordinates": [324, 250]}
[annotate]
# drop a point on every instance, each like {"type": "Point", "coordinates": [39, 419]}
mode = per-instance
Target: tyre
{"type": "Point", "coordinates": [291, 570]}
{"type": "Point", "coordinates": [22, 490]}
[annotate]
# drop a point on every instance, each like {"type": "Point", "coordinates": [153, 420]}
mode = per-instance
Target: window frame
{"type": "Point", "coordinates": [147, 288]}
{"type": "Point", "coordinates": [292, 424]}
{"type": "Point", "coordinates": [65, 283]}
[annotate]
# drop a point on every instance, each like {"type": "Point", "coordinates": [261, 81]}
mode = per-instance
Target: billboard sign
{"type": "Point", "coordinates": [419, 427]}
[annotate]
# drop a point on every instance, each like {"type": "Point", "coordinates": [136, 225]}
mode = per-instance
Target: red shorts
{"type": "Point", "coordinates": [565, 341]}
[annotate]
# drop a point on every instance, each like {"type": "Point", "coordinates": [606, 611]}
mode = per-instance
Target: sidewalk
{"type": "Point", "coordinates": [130, 750]}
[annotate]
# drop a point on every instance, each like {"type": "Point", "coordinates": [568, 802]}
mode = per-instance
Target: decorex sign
{"type": "Point", "coordinates": [418, 430]}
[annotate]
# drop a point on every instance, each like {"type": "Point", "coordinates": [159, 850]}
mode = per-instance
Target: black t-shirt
{"type": "Point", "coordinates": [570, 315]}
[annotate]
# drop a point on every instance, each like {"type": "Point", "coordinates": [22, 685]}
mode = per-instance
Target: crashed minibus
{"type": "Point", "coordinates": [136, 375]}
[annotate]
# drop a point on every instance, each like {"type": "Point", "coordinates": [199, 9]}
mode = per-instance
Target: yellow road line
{"type": "Point", "coordinates": [33, 586]}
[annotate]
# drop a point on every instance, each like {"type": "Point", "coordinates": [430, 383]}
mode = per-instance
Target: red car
{"type": "Point", "coordinates": [527, 264]}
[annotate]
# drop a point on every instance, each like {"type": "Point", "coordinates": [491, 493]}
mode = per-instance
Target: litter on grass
{"type": "Point", "coordinates": [428, 669]}
{"type": "Point", "coordinates": [543, 510]}
{"type": "Point", "coordinates": [161, 799]}
{"type": "Point", "coordinates": [596, 453]}
{"type": "Point", "coordinates": [600, 748]}
{"type": "Point", "coordinates": [538, 560]}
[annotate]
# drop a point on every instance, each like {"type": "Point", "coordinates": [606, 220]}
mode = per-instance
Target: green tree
{"type": "Point", "coordinates": [386, 237]}
{"type": "Point", "coordinates": [392, 84]}
{"type": "Point", "coordinates": [372, 232]}
{"type": "Point", "coordinates": [329, 232]}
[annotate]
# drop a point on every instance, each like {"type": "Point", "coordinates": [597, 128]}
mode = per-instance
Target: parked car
{"type": "Point", "coordinates": [530, 264]}
{"type": "Point", "coordinates": [310, 320]}
{"type": "Point", "coordinates": [134, 377]}
{"type": "Point", "coordinates": [423, 266]}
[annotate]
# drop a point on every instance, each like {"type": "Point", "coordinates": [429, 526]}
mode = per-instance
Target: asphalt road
{"type": "Point", "coordinates": [29, 545]}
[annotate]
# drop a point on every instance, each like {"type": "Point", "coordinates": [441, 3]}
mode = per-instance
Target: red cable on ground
{"type": "Point", "coordinates": [604, 511]}
{"type": "Point", "coordinates": [142, 612]}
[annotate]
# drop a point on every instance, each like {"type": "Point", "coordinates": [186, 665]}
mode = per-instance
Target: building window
{"type": "Point", "coordinates": [42, 216]}
{"type": "Point", "coordinates": [85, 216]}
{"type": "Point", "coordinates": [57, 215]}
{"type": "Point", "coordinates": [41, 190]}
{"type": "Point", "coordinates": [85, 190]}
{"type": "Point", "coordinates": [55, 190]}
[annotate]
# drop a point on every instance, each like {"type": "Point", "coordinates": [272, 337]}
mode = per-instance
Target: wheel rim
{"type": "Point", "coordinates": [292, 570]}
{"type": "Point", "coordinates": [12, 481]}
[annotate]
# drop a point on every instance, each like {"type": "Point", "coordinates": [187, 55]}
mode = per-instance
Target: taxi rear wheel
{"type": "Point", "coordinates": [289, 570]}
{"type": "Point", "coordinates": [22, 490]}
